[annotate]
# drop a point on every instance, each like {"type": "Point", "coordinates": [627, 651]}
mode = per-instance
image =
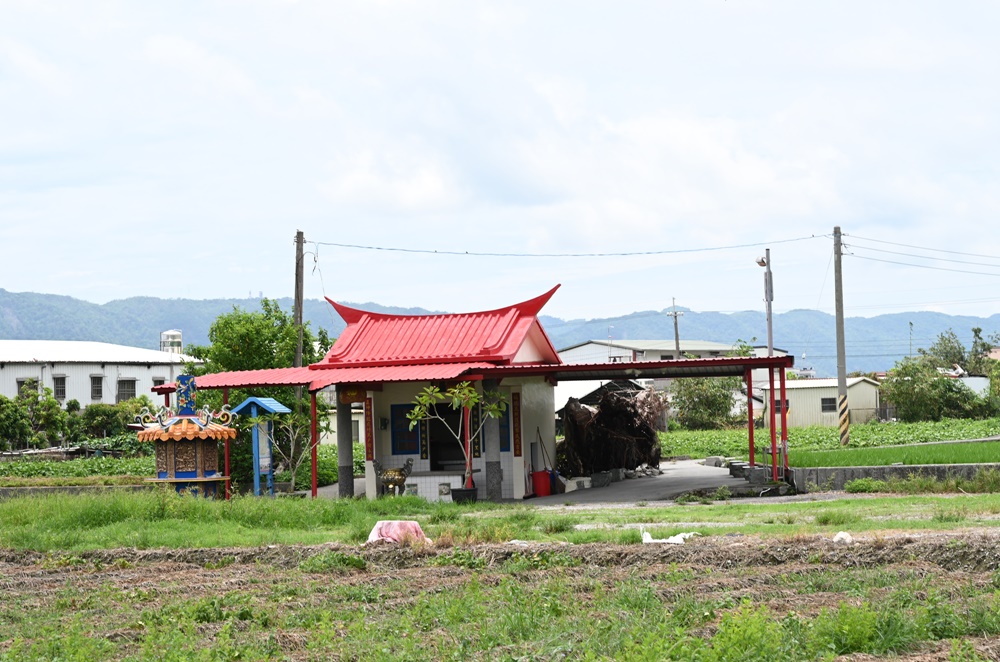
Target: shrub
{"type": "Point", "coordinates": [866, 485]}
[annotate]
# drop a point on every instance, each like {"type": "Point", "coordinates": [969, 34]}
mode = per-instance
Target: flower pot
{"type": "Point", "coordinates": [464, 495]}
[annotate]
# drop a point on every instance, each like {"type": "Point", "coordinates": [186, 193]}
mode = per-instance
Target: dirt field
{"type": "Point", "coordinates": [117, 591]}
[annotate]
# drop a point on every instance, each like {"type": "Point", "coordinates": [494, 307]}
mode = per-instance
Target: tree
{"type": "Point", "coordinates": [947, 351]}
{"type": "Point", "coordinates": [44, 414]}
{"type": "Point", "coordinates": [15, 431]}
{"type": "Point", "coordinates": [464, 397]}
{"type": "Point", "coordinates": [255, 340]}
{"type": "Point", "coordinates": [921, 393]}
{"type": "Point", "coordinates": [708, 403]}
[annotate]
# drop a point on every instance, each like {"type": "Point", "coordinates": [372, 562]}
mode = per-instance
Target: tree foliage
{"type": "Point", "coordinates": [255, 340]}
{"type": "Point", "coordinates": [921, 393]}
{"type": "Point", "coordinates": [708, 403]}
{"type": "Point", "coordinates": [462, 396]}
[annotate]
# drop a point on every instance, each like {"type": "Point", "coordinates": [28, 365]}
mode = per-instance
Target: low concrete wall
{"type": "Point", "coordinates": [834, 478]}
{"type": "Point", "coordinates": [11, 492]}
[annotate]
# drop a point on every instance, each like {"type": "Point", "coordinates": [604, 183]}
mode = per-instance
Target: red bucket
{"type": "Point", "coordinates": [542, 482]}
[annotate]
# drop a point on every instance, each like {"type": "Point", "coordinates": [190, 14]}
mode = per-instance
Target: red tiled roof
{"type": "Point", "coordinates": [495, 336]}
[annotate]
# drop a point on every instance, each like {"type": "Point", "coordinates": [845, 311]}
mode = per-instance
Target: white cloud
{"type": "Point", "coordinates": [35, 68]}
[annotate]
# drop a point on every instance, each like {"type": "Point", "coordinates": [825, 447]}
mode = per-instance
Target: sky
{"type": "Point", "coordinates": [465, 155]}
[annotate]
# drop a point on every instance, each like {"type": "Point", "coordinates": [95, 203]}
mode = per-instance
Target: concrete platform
{"type": "Point", "coordinates": [678, 478]}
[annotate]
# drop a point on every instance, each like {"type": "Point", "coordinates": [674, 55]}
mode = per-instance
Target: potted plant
{"type": "Point", "coordinates": [464, 397]}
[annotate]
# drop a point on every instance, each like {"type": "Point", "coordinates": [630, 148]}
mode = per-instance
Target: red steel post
{"type": "Point", "coordinates": [749, 380]}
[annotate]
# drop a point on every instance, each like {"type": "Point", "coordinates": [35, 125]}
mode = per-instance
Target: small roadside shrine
{"type": "Point", "coordinates": [187, 442]}
{"type": "Point", "coordinates": [382, 361]}
{"type": "Point", "coordinates": [263, 435]}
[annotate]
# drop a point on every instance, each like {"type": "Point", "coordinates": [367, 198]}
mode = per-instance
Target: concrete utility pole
{"type": "Point", "coordinates": [677, 335]}
{"type": "Point", "coordinates": [845, 414]}
{"type": "Point", "coordinates": [297, 309]}
{"type": "Point", "coordinates": [299, 268]}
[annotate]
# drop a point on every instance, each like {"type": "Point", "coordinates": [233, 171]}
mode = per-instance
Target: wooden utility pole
{"type": "Point", "coordinates": [845, 413]}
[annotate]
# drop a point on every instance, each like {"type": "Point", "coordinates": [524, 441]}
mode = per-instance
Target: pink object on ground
{"type": "Point", "coordinates": [397, 531]}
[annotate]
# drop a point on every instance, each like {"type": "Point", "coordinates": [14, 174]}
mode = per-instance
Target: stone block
{"type": "Point", "coordinates": [600, 479]}
{"type": "Point", "coordinates": [757, 475]}
{"type": "Point", "coordinates": [714, 461]}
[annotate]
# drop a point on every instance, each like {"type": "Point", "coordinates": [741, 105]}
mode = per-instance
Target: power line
{"type": "Point", "coordinates": [924, 248]}
{"type": "Point", "coordinates": [924, 257]}
{"type": "Point", "coordinates": [423, 251]}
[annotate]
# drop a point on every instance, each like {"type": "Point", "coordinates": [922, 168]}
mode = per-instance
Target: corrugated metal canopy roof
{"type": "Point", "coordinates": [315, 380]}
{"type": "Point", "coordinates": [319, 379]}
{"type": "Point", "coordinates": [727, 366]}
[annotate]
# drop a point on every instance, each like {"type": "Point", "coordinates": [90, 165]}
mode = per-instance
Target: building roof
{"type": "Point", "coordinates": [494, 336]}
{"type": "Point", "coordinates": [268, 405]}
{"type": "Point", "coordinates": [83, 351]}
{"type": "Point", "coordinates": [820, 383]}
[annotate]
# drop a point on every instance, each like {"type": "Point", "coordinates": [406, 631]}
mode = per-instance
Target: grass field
{"type": "Point", "coordinates": [215, 581]}
{"type": "Point", "coordinates": [971, 453]}
{"type": "Point", "coordinates": [74, 523]}
{"type": "Point", "coordinates": [733, 443]}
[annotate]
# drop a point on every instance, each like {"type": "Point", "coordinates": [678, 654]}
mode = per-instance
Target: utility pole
{"type": "Point", "coordinates": [842, 408]}
{"type": "Point", "coordinates": [677, 335]}
{"type": "Point", "coordinates": [297, 312]}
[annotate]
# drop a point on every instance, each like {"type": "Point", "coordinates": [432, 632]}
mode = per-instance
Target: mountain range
{"type": "Point", "coordinates": [873, 343]}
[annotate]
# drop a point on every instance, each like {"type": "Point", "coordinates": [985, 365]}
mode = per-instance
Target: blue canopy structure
{"type": "Point", "coordinates": [262, 462]}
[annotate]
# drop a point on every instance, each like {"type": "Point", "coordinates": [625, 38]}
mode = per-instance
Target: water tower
{"type": "Point", "coordinates": [170, 341]}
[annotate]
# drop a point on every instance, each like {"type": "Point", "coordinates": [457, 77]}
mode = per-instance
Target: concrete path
{"type": "Point", "coordinates": [677, 478]}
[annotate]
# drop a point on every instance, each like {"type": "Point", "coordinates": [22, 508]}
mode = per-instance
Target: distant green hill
{"type": "Point", "coordinates": [873, 343]}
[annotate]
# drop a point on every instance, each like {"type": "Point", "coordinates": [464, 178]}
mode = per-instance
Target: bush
{"type": "Point", "coordinates": [866, 485]}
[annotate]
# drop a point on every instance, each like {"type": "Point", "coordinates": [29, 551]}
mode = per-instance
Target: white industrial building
{"type": "Point", "coordinates": [814, 401]}
{"type": "Point", "coordinates": [85, 371]}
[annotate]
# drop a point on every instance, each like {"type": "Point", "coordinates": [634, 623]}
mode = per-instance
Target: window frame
{"type": "Point", "coordinates": [59, 384]}
{"type": "Point", "coordinates": [828, 405]}
{"type": "Point", "coordinates": [97, 388]}
{"type": "Point", "coordinates": [118, 389]}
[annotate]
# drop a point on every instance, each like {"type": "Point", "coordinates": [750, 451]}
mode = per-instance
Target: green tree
{"type": "Point", "coordinates": [947, 351]}
{"type": "Point", "coordinates": [461, 397]}
{"type": "Point", "coordinates": [44, 414]}
{"type": "Point", "coordinates": [15, 430]}
{"type": "Point", "coordinates": [255, 340]}
{"type": "Point", "coordinates": [920, 392]}
{"type": "Point", "coordinates": [708, 403]}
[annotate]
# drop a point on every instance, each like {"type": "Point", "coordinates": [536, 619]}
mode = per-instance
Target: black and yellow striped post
{"type": "Point", "coordinates": [845, 422]}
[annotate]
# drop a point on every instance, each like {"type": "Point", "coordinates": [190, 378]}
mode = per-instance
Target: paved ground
{"type": "Point", "coordinates": [677, 478]}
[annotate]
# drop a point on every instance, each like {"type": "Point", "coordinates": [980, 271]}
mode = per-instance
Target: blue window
{"type": "Point", "coordinates": [505, 431]}
{"type": "Point", "coordinates": [404, 440]}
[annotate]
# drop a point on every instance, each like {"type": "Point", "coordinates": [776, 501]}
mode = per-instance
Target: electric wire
{"type": "Point", "coordinates": [923, 248]}
{"type": "Point", "coordinates": [921, 266]}
{"type": "Point", "coordinates": [427, 251]}
{"type": "Point", "coordinates": [923, 257]}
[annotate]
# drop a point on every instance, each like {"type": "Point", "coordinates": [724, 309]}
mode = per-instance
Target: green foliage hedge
{"type": "Point", "coordinates": [93, 466]}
